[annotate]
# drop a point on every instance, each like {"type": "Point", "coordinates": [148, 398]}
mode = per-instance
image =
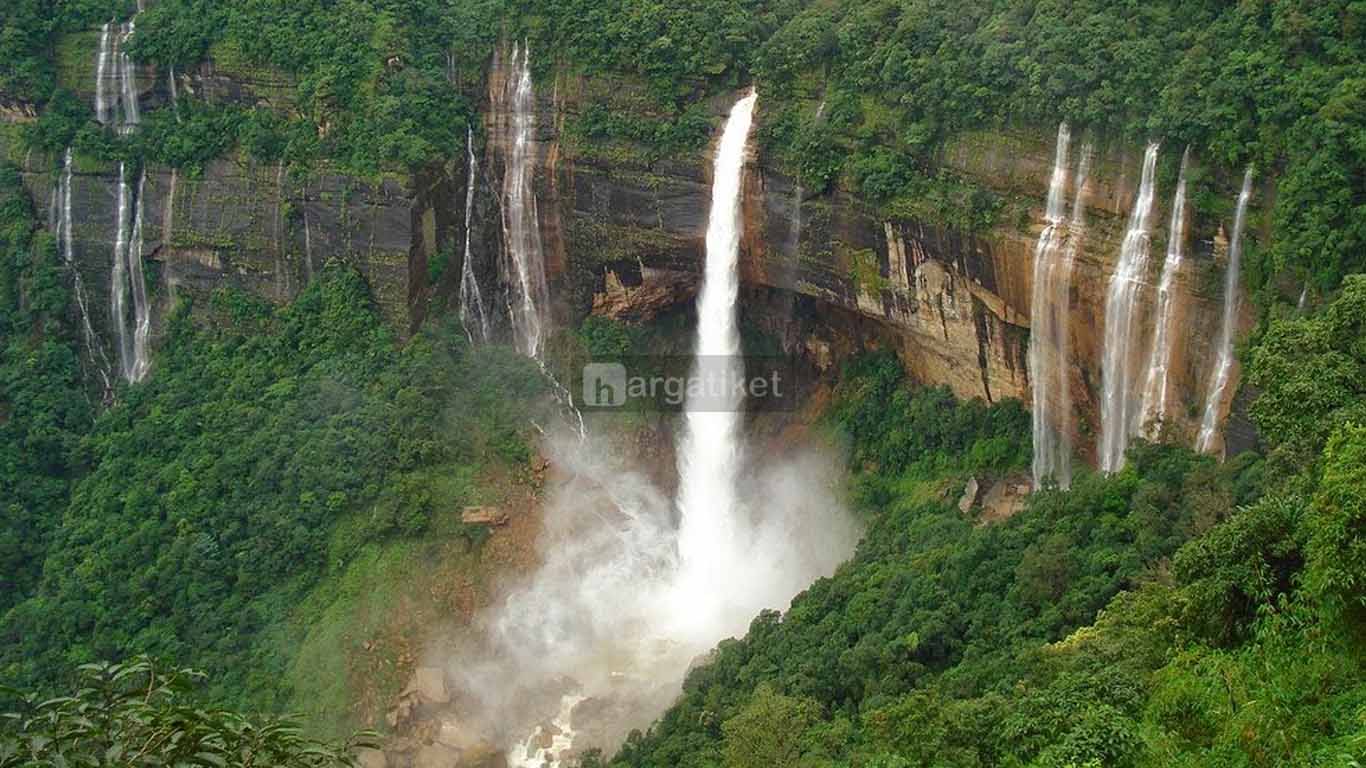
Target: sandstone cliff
{"type": "Point", "coordinates": [829, 275]}
{"type": "Point", "coordinates": [623, 236]}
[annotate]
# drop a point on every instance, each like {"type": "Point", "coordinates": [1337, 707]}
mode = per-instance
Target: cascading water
{"type": "Point", "coordinates": [142, 315]}
{"type": "Point", "coordinates": [525, 272]}
{"type": "Point", "coordinates": [1046, 325]}
{"type": "Point", "coordinates": [128, 282]}
{"type": "Point", "coordinates": [116, 79]}
{"type": "Point", "coordinates": [62, 227]}
{"type": "Point", "coordinates": [1155, 391]}
{"type": "Point", "coordinates": [1223, 369]}
{"type": "Point", "coordinates": [1050, 334]}
{"type": "Point", "coordinates": [709, 451]}
{"type": "Point", "coordinates": [1119, 408]}
{"type": "Point", "coordinates": [472, 315]}
{"type": "Point", "coordinates": [598, 640]}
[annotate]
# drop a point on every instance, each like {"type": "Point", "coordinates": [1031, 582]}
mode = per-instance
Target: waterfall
{"type": "Point", "coordinates": [118, 281]}
{"type": "Point", "coordinates": [175, 92]}
{"type": "Point", "coordinates": [1155, 392]}
{"type": "Point", "coordinates": [116, 79]}
{"type": "Point", "coordinates": [142, 315]}
{"type": "Point", "coordinates": [1045, 322]}
{"type": "Point", "coordinates": [1050, 329]}
{"type": "Point", "coordinates": [103, 109]}
{"type": "Point", "coordinates": [527, 292]}
{"type": "Point", "coordinates": [62, 228]}
{"type": "Point", "coordinates": [1223, 369]}
{"type": "Point", "coordinates": [1119, 411]}
{"type": "Point", "coordinates": [709, 451]}
{"type": "Point", "coordinates": [128, 281]}
{"type": "Point", "coordinates": [471, 302]}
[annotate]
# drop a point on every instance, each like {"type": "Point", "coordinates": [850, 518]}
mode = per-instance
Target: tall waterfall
{"type": "Point", "coordinates": [1223, 370]}
{"type": "Point", "coordinates": [1049, 454]}
{"type": "Point", "coordinates": [709, 451]}
{"type": "Point", "coordinates": [527, 294]}
{"type": "Point", "coordinates": [1119, 408]}
{"type": "Point", "coordinates": [472, 315]}
{"type": "Point", "coordinates": [1049, 339]}
{"type": "Point", "coordinates": [62, 228]}
{"type": "Point", "coordinates": [128, 282]}
{"type": "Point", "coordinates": [1155, 391]}
{"type": "Point", "coordinates": [116, 79]}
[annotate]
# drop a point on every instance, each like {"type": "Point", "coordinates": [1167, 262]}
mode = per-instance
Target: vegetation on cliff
{"type": "Point", "coordinates": [264, 456]}
{"type": "Point", "coordinates": [43, 409]}
{"type": "Point", "coordinates": [1177, 613]}
{"type": "Point", "coordinates": [377, 85]}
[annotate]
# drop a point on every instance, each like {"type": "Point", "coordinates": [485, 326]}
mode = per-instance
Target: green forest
{"type": "Point", "coordinates": [1178, 613]}
{"type": "Point", "coordinates": [173, 563]}
{"type": "Point", "coordinates": [391, 84]}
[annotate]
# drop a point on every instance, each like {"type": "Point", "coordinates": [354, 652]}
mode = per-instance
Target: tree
{"type": "Point", "coordinates": [768, 731]}
{"type": "Point", "coordinates": [134, 714]}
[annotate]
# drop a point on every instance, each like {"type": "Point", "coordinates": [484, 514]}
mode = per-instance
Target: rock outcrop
{"type": "Point", "coordinates": [831, 275]}
{"type": "Point", "coordinates": [623, 237]}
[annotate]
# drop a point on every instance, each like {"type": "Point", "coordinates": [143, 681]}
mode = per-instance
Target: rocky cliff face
{"type": "Point", "coordinates": [830, 275]}
{"type": "Point", "coordinates": [623, 236]}
{"type": "Point", "coordinates": [260, 229]}
{"type": "Point", "coordinates": [263, 229]}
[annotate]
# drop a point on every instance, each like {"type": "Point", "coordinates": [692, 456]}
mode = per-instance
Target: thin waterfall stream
{"type": "Point", "coordinates": [1119, 406]}
{"type": "Point", "coordinates": [1155, 391]}
{"type": "Point", "coordinates": [1055, 255]}
{"type": "Point", "coordinates": [1224, 363]}
{"type": "Point", "coordinates": [472, 314]}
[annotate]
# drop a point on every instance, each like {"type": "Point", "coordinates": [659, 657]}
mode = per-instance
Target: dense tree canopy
{"type": "Point", "coordinates": [43, 410]}
{"type": "Point", "coordinates": [1177, 613]}
{"type": "Point", "coordinates": [257, 459]}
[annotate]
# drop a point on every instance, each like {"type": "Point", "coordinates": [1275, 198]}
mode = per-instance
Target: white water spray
{"type": "Point", "coordinates": [525, 274]}
{"type": "Point", "coordinates": [472, 315]}
{"type": "Point", "coordinates": [1223, 369]}
{"type": "Point", "coordinates": [1155, 391]}
{"type": "Point", "coordinates": [1119, 408]}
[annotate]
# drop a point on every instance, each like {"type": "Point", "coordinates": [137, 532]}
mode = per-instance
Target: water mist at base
{"type": "Point", "coordinates": [596, 643]}
{"type": "Point", "coordinates": [630, 592]}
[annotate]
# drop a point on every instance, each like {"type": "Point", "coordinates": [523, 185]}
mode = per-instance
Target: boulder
{"type": "Point", "coordinates": [1004, 500]}
{"type": "Point", "coordinates": [490, 516]}
{"type": "Point", "coordinates": [970, 496]}
{"type": "Point", "coordinates": [429, 683]}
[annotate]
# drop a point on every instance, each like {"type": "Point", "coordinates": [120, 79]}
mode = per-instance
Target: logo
{"type": "Point", "coordinates": [702, 384]}
{"type": "Point", "coordinates": [604, 385]}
